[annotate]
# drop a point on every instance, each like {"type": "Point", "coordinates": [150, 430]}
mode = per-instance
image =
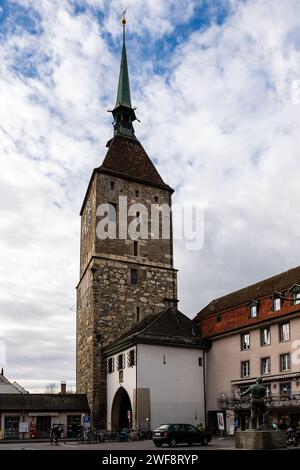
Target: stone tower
{"type": "Point", "coordinates": [122, 280]}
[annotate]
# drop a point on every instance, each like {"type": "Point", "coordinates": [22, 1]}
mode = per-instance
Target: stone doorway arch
{"type": "Point", "coordinates": [121, 410]}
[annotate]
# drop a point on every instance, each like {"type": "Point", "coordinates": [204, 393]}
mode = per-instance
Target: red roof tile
{"type": "Point", "coordinates": [127, 157]}
{"type": "Point", "coordinates": [261, 289]}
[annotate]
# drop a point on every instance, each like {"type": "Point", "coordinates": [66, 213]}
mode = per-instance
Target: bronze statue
{"type": "Point", "coordinates": [258, 406]}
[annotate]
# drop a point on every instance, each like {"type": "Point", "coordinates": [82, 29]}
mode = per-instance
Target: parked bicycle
{"type": "Point", "coordinates": [292, 436]}
{"type": "Point", "coordinates": [136, 435]}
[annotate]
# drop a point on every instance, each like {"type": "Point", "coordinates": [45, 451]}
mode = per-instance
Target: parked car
{"type": "Point", "coordinates": [173, 434]}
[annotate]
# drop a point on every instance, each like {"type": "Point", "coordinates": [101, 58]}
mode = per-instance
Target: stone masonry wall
{"type": "Point", "coordinates": [85, 337]}
{"type": "Point", "coordinates": [88, 232]}
{"type": "Point", "coordinates": [156, 251]}
{"type": "Point", "coordinates": [115, 302]}
{"type": "Point", "coordinates": [106, 301]}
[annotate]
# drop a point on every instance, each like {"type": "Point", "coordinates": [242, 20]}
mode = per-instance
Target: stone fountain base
{"type": "Point", "coordinates": [256, 439]}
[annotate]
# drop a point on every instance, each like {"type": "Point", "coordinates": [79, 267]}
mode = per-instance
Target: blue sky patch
{"type": "Point", "coordinates": [16, 19]}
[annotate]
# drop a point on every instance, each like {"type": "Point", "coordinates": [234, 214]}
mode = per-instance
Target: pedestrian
{"type": "Point", "coordinates": [200, 427]}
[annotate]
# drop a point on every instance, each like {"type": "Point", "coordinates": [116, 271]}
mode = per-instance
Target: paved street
{"type": "Point", "coordinates": [216, 444]}
{"type": "Point", "coordinates": [136, 445]}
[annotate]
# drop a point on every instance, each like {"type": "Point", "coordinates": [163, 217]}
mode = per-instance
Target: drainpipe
{"type": "Point", "coordinates": [204, 388]}
{"type": "Point", "coordinates": [136, 384]}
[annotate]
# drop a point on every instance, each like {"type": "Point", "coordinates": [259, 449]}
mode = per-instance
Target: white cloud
{"type": "Point", "coordinates": [228, 123]}
{"type": "Point", "coordinates": [220, 121]}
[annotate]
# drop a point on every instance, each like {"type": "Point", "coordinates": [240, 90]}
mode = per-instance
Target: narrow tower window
{"type": "Point", "coordinates": [112, 212]}
{"type": "Point", "coordinates": [135, 248]}
{"type": "Point", "coordinates": [133, 277]}
{"type": "Point", "coordinates": [137, 313]}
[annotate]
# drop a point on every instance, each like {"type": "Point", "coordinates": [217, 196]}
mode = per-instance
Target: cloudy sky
{"type": "Point", "coordinates": [216, 84]}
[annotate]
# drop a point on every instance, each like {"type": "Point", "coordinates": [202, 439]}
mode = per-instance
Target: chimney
{"type": "Point", "coordinates": [63, 388]}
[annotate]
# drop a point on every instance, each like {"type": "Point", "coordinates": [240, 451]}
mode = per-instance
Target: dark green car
{"type": "Point", "coordinates": [174, 434]}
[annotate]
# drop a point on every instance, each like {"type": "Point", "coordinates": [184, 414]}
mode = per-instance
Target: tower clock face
{"type": "Point", "coordinates": [87, 217]}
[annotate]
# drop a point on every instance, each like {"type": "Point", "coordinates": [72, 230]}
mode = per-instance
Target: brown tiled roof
{"type": "Point", "coordinates": [43, 402]}
{"type": "Point", "coordinates": [168, 326]}
{"type": "Point", "coordinates": [127, 157]}
{"type": "Point", "coordinates": [257, 291]}
{"type": "Point", "coordinates": [168, 322]}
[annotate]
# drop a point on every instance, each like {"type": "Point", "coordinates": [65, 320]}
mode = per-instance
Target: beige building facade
{"type": "Point", "coordinates": [247, 343]}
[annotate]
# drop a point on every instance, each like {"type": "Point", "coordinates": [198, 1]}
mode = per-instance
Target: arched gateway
{"type": "Point", "coordinates": [121, 411]}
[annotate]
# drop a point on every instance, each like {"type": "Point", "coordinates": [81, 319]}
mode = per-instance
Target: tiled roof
{"type": "Point", "coordinates": [127, 157]}
{"type": "Point", "coordinates": [43, 402]}
{"type": "Point", "coordinates": [169, 326]}
{"type": "Point", "coordinates": [267, 287]}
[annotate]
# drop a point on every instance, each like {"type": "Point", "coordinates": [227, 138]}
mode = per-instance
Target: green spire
{"type": "Point", "coordinates": [123, 112]}
{"type": "Point", "coordinates": [123, 97]}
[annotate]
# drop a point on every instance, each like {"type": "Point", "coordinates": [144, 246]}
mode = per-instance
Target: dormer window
{"type": "Point", "coordinates": [253, 308]}
{"type": "Point", "coordinates": [277, 303]}
{"type": "Point", "coordinates": [295, 291]}
{"type": "Point", "coordinates": [253, 311]}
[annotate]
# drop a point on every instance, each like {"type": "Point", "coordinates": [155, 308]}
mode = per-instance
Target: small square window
{"type": "Point", "coordinates": [284, 331]}
{"type": "Point", "coordinates": [285, 362]}
{"type": "Point", "coordinates": [112, 185]}
{"type": "Point", "coordinates": [295, 291]}
{"type": "Point", "coordinates": [110, 365]}
{"type": "Point", "coordinates": [265, 365]}
{"type": "Point", "coordinates": [253, 311]}
{"type": "Point", "coordinates": [276, 304]}
{"type": "Point", "coordinates": [219, 318]}
{"type": "Point", "coordinates": [155, 198]}
{"type": "Point", "coordinates": [200, 361]}
{"type": "Point", "coordinates": [296, 298]}
{"type": "Point", "coordinates": [137, 193]}
{"type": "Point", "coordinates": [120, 362]}
{"type": "Point", "coordinates": [133, 277]}
{"type": "Point", "coordinates": [245, 341]}
{"type": "Point", "coordinates": [131, 358]}
{"type": "Point", "coordinates": [285, 389]}
{"type": "Point", "coordinates": [245, 368]}
{"type": "Point", "coordinates": [265, 336]}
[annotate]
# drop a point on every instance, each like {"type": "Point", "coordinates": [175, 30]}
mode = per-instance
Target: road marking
{"type": "Point", "coordinates": [68, 445]}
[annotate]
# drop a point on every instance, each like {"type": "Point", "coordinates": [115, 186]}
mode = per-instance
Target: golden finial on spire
{"type": "Point", "coordinates": [123, 20]}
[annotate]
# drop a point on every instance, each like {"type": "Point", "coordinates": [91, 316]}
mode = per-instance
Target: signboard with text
{"type": "Point", "coordinates": [220, 417]}
{"type": "Point", "coordinates": [23, 427]}
{"type": "Point", "coordinates": [86, 421]}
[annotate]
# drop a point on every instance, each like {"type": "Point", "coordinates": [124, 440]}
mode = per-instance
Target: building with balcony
{"type": "Point", "coordinates": [254, 332]}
